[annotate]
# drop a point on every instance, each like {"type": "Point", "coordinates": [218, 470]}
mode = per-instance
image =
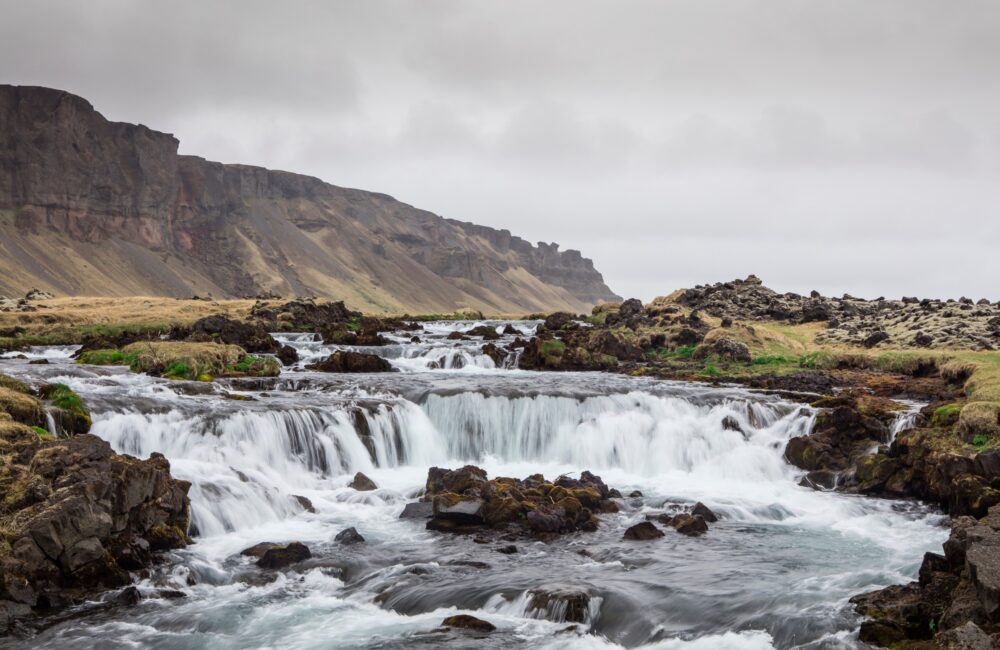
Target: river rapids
{"type": "Point", "coordinates": [775, 572]}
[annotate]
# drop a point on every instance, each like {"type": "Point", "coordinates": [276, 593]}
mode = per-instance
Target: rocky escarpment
{"type": "Point", "coordinates": [76, 518]}
{"type": "Point", "coordinates": [89, 206]}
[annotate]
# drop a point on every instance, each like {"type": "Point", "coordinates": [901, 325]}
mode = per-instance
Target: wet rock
{"type": "Point", "coordinates": [417, 510]}
{"type": "Point", "coordinates": [349, 536]}
{"type": "Point", "coordinates": [279, 557]}
{"type": "Point", "coordinates": [466, 500]}
{"type": "Point", "coordinates": [820, 479]}
{"type": "Point", "coordinates": [634, 494]}
{"type": "Point", "coordinates": [77, 516]}
{"type": "Point", "coordinates": [128, 596]}
{"type": "Point", "coordinates": [966, 637]}
{"type": "Point", "coordinates": [729, 423]}
{"type": "Point", "coordinates": [347, 361]}
{"type": "Point", "coordinates": [498, 355]}
{"type": "Point", "coordinates": [287, 355]}
{"type": "Point", "coordinates": [362, 483]}
{"type": "Point", "coordinates": [703, 511]}
{"type": "Point", "coordinates": [840, 438]}
{"type": "Point", "coordinates": [688, 524]}
{"type": "Point", "coordinates": [304, 503]}
{"type": "Point", "coordinates": [956, 592]}
{"type": "Point", "coordinates": [466, 622]}
{"type": "Point", "coordinates": [487, 332]}
{"type": "Point", "coordinates": [643, 531]}
{"type": "Point", "coordinates": [509, 549]}
{"type": "Point", "coordinates": [462, 508]}
{"type": "Point", "coordinates": [258, 550]}
{"type": "Point", "coordinates": [560, 605]}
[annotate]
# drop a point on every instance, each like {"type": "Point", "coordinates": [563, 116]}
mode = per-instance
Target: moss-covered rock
{"type": "Point", "coordinates": [201, 361]}
{"type": "Point", "coordinates": [68, 409]}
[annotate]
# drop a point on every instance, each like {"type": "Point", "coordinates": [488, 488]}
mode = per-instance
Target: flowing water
{"type": "Point", "coordinates": [775, 571]}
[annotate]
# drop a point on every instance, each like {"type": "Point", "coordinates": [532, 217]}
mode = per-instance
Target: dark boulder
{"type": "Point", "coordinates": [362, 483]}
{"type": "Point", "coordinates": [258, 550]}
{"type": "Point", "coordinates": [303, 316]}
{"type": "Point", "coordinates": [288, 355]}
{"type": "Point", "coordinates": [487, 332]}
{"type": "Point", "coordinates": [417, 510]}
{"type": "Point", "coordinates": [724, 348]}
{"type": "Point", "coordinates": [703, 511]}
{"type": "Point", "coordinates": [643, 531]}
{"type": "Point", "coordinates": [559, 320]}
{"type": "Point", "coordinates": [690, 525]}
{"type": "Point", "coordinates": [349, 536]}
{"type": "Point", "coordinates": [346, 361]}
{"type": "Point", "coordinates": [219, 329]}
{"type": "Point", "coordinates": [466, 622]}
{"type": "Point", "coordinates": [279, 557]}
{"type": "Point", "coordinates": [560, 604]}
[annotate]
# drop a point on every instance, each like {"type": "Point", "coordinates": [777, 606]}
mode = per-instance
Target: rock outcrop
{"type": "Point", "coordinates": [347, 361]}
{"type": "Point", "coordinates": [466, 501]}
{"type": "Point", "coordinates": [908, 322]}
{"type": "Point", "coordinates": [76, 518]}
{"type": "Point", "coordinates": [103, 197]}
{"type": "Point", "coordinates": [956, 601]}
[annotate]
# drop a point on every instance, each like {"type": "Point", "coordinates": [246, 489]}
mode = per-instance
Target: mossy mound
{"type": "Point", "coordinates": [185, 360]}
{"type": "Point", "coordinates": [73, 415]}
{"type": "Point", "coordinates": [22, 407]}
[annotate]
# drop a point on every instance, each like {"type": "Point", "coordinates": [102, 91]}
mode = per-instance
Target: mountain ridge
{"type": "Point", "coordinates": [93, 207]}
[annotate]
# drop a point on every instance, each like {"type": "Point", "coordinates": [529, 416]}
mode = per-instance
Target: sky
{"type": "Point", "coordinates": [838, 145]}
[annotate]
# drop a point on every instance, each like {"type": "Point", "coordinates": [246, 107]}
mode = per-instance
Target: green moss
{"type": "Point", "coordinates": [769, 360]}
{"type": "Point", "coordinates": [946, 415]}
{"type": "Point", "coordinates": [255, 367]}
{"type": "Point", "coordinates": [710, 370]}
{"type": "Point", "coordinates": [683, 353]}
{"type": "Point", "coordinates": [178, 370]}
{"type": "Point", "coordinates": [553, 348]}
{"type": "Point", "coordinates": [62, 396]}
{"type": "Point", "coordinates": [107, 357]}
{"type": "Point", "coordinates": [43, 434]}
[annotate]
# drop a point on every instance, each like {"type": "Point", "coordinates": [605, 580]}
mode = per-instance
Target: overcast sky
{"type": "Point", "coordinates": [846, 146]}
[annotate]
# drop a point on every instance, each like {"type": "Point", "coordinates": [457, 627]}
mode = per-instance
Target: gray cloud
{"type": "Point", "coordinates": [840, 145]}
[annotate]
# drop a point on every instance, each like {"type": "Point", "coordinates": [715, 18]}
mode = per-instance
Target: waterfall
{"type": "Point", "coordinates": [906, 419]}
{"type": "Point", "coordinates": [245, 466]}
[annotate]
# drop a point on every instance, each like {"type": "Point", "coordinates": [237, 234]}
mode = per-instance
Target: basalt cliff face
{"type": "Point", "coordinates": [92, 207]}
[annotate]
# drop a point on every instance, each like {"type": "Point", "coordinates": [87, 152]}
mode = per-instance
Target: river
{"type": "Point", "coordinates": [775, 571]}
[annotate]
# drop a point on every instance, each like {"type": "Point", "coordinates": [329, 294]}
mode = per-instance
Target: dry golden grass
{"type": "Point", "coordinates": [136, 310]}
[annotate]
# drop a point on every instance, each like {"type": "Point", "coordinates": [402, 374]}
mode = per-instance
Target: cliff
{"type": "Point", "coordinates": [92, 207]}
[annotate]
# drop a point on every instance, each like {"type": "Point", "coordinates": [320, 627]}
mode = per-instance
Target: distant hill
{"type": "Point", "coordinates": [92, 207]}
